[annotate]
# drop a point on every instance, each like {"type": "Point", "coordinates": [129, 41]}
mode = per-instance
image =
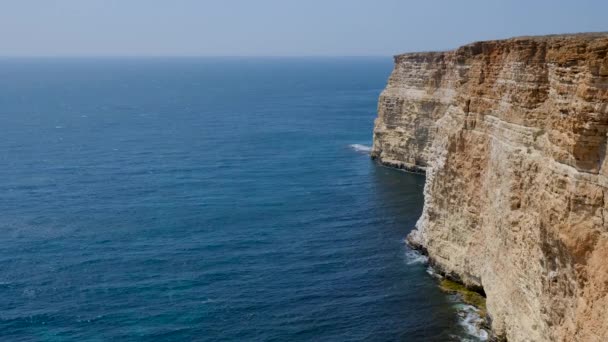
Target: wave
{"type": "Point", "coordinates": [431, 271]}
{"type": "Point", "coordinates": [468, 315]}
{"type": "Point", "coordinates": [413, 257]}
{"type": "Point", "coordinates": [361, 148]}
{"type": "Point", "coordinates": [471, 322]}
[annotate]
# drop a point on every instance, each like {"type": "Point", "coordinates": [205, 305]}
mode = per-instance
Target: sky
{"type": "Point", "coordinates": [278, 27]}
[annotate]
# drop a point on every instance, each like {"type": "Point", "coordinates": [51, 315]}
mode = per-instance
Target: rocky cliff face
{"type": "Point", "coordinates": [512, 135]}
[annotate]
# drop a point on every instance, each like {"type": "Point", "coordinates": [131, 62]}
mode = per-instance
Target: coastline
{"type": "Point", "coordinates": [513, 135]}
{"type": "Point", "coordinates": [471, 309]}
{"type": "Point", "coordinates": [472, 314]}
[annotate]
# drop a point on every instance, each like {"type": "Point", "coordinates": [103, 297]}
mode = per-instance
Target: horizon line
{"type": "Point", "coordinates": [195, 56]}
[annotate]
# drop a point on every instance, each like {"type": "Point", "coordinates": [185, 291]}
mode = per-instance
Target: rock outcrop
{"type": "Point", "coordinates": [512, 135]}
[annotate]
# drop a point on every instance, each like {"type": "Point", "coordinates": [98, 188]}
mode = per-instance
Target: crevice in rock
{"type": "Point", "coordinates": [412, 168]}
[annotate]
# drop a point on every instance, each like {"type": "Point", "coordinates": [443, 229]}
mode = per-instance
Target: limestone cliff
{"type": "Point", "coordinates": [512, 134]}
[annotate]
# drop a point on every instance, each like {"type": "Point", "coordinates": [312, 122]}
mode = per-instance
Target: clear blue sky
{"type": "Point", "coordinates": [279, 27]}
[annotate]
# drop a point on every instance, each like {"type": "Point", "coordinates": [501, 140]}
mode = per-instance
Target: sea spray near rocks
{"type": "Point", "coordinates": [472, 322]}
{"type": "Point", "coordinates": [361, 148]}
{"type": "Point", "coordinates": [413, 257]}
{"type": "Point", "coordinates": [470, 317]}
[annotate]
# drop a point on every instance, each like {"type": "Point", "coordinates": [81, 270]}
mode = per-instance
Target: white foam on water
{"type": "Point", "coordinates": [361, 148]}
{"type": "Point", "coordinates": [468, 315]}
{"type": "Point", "coordinates": [471, 322]}
{"type": "Point", "coordinates": [412, 257]}
{"type": "Point", "coordinates": [431, 271]}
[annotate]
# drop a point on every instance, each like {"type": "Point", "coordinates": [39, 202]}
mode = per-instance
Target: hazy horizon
{"type": "Point", "coordinates": [274, 28]}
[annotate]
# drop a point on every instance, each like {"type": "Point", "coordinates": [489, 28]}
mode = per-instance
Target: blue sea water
{"type": "Point", "coordinates": [213, 199]}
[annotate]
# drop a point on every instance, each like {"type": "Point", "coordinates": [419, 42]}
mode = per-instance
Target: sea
{"type": "Point", "coordinates": [207, 199]}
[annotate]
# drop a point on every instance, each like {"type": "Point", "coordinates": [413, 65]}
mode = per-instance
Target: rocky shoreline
{"type": "Point", "coordinates": [474, 314]}
{"type": "Point", "coordinates": [512, 137]}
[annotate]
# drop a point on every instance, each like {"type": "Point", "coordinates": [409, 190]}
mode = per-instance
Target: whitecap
{"type": "Point", "coordinates": [361, 148]}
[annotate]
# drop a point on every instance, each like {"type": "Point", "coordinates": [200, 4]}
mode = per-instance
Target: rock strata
{"type": "Point", "coordinates": [512, 137]}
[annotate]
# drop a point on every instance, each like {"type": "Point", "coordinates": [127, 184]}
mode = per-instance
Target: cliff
{"type": "Point", "coordinates": [512, 135]}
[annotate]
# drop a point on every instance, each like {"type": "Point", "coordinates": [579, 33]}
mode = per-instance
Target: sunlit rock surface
{"type": "Point", "coordinates": [512, 135]}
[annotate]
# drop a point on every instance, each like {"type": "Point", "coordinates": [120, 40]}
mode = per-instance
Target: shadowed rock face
{"type": "Point", "coordinates": [512, 135]}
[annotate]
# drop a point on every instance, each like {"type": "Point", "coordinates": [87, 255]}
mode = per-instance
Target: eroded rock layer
{"type": "Point", "coordinates": [512, 135]}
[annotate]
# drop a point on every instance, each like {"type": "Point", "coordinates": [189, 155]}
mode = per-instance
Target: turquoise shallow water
{"type": "Point", "coordinates": [205, 199]}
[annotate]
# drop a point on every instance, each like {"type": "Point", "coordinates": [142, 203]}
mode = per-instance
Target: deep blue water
{"type": "Point", "coordinates": [205, 199]}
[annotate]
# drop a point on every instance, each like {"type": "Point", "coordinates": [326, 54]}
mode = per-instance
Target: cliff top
{"type": "Point", "coordinates": [582, 37]}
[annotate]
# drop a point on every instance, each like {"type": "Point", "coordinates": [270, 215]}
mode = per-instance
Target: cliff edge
{"type": "Point", "coordinates": [512, 137]}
